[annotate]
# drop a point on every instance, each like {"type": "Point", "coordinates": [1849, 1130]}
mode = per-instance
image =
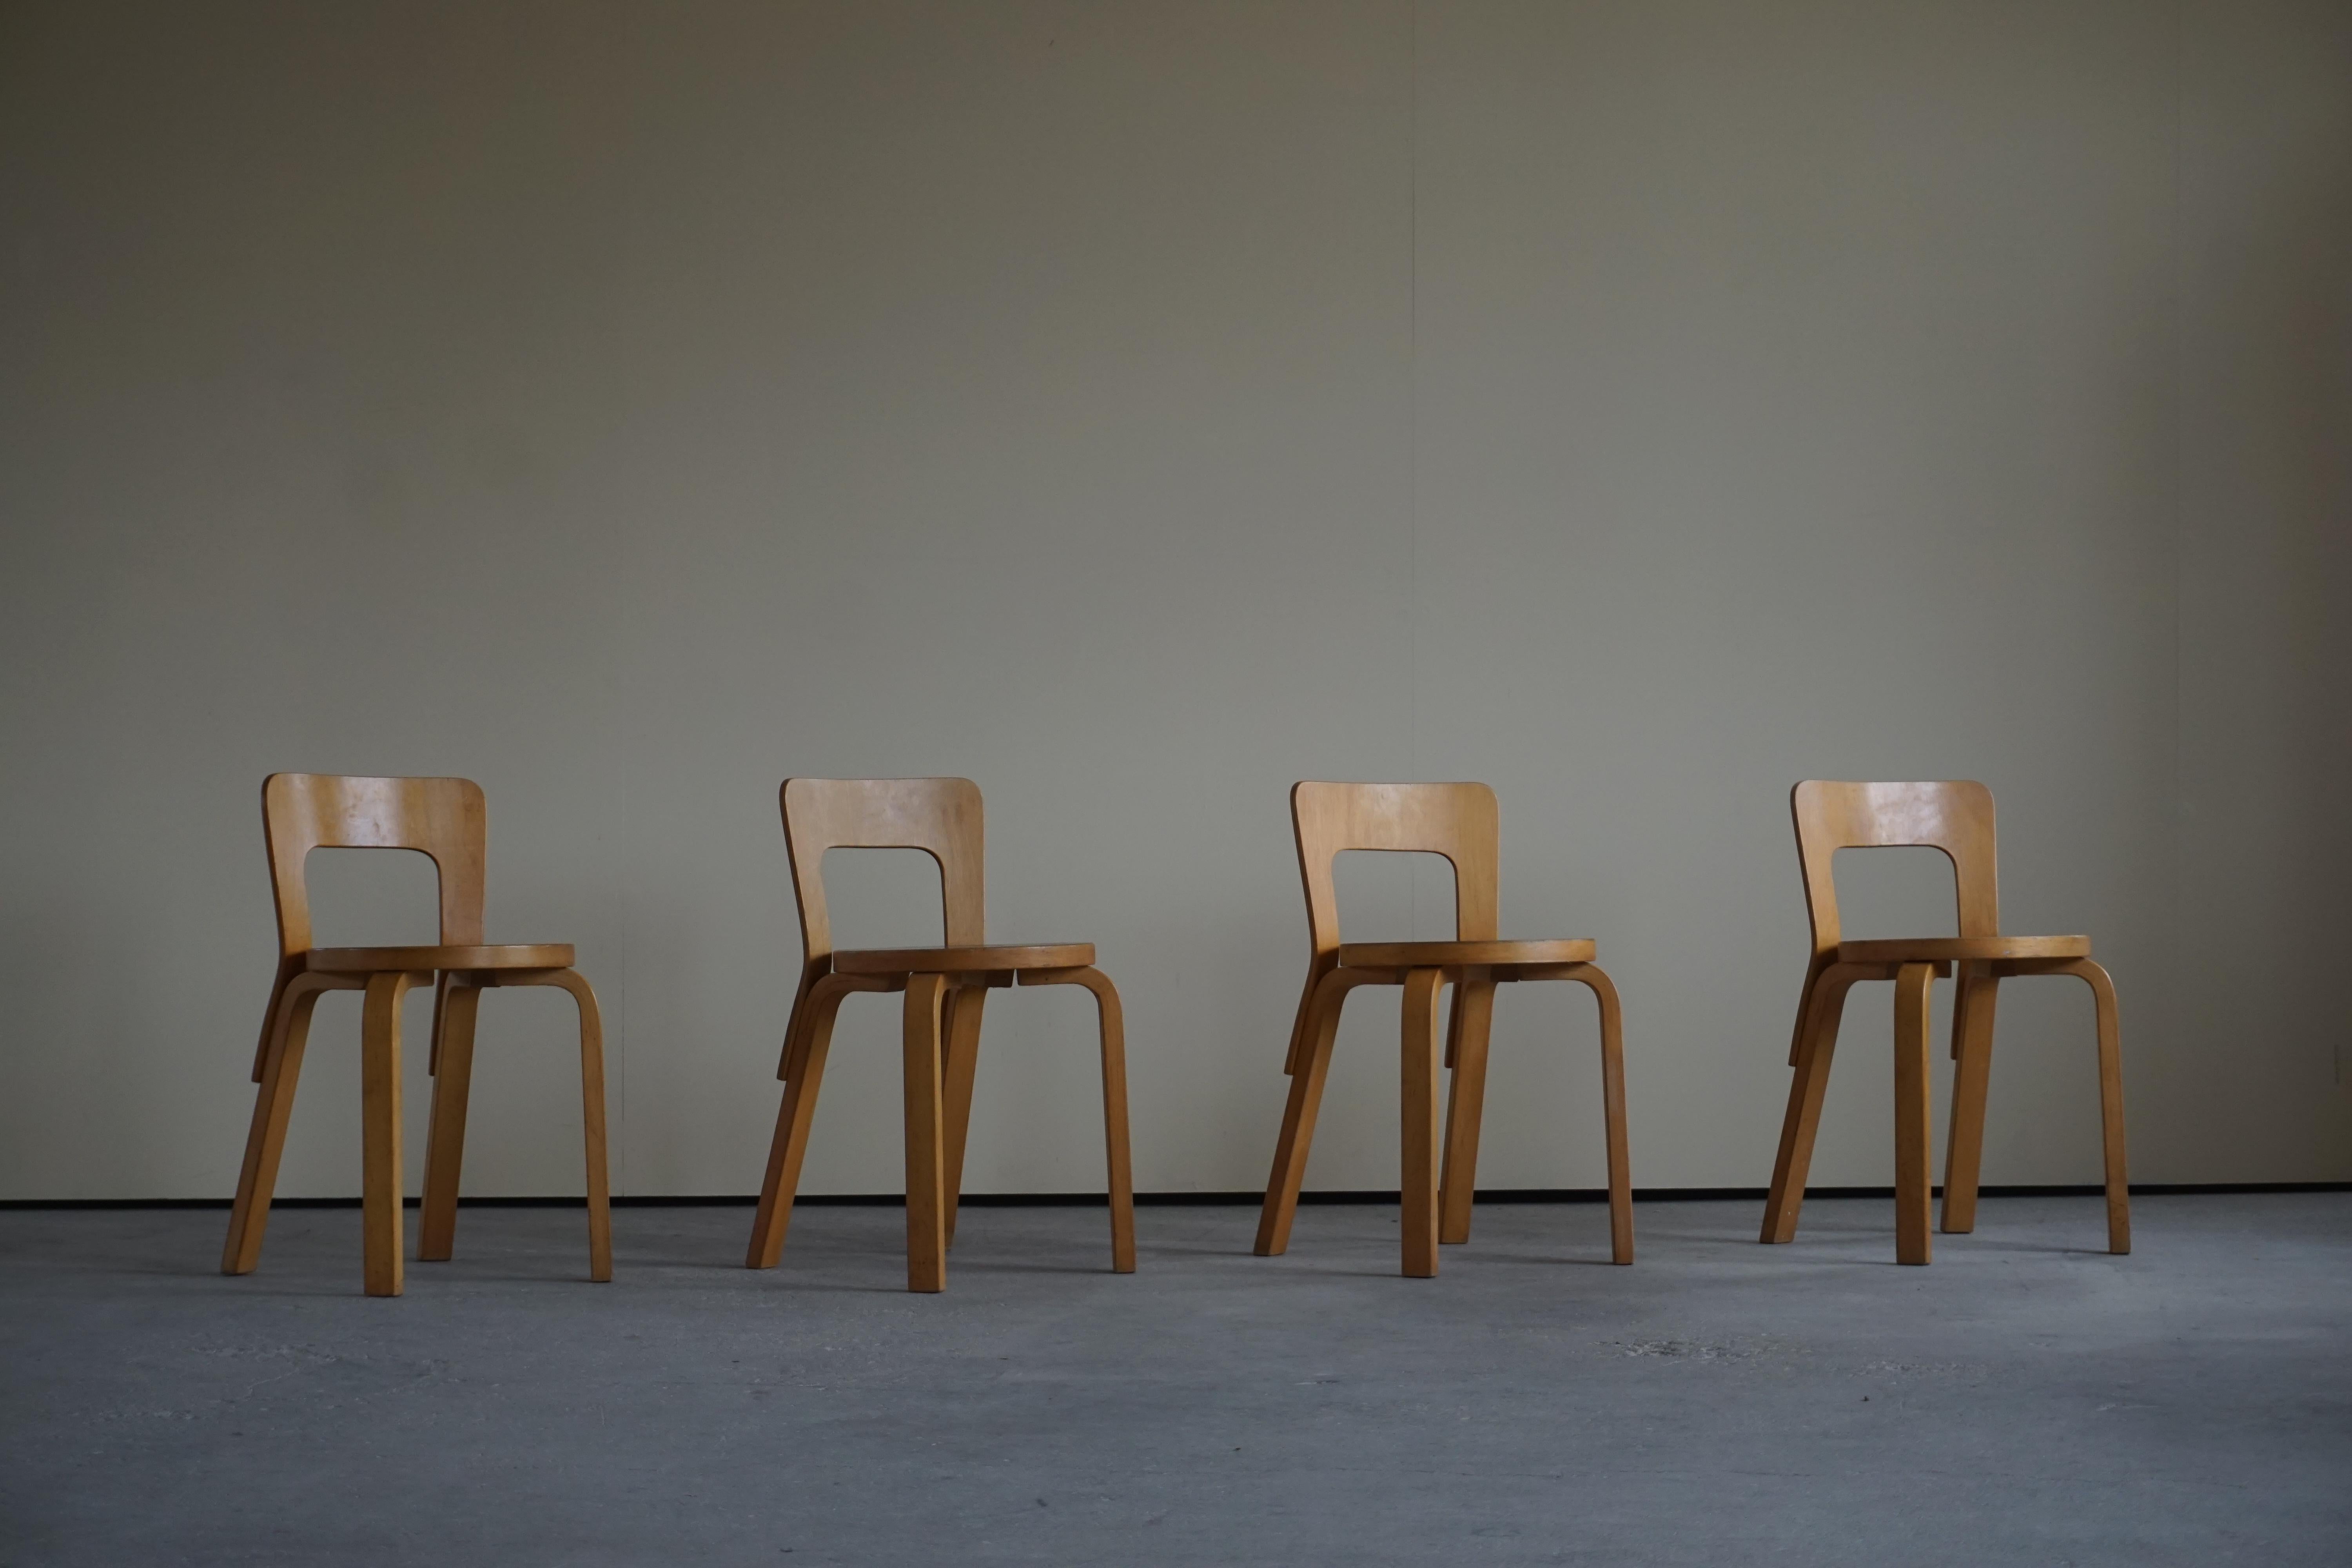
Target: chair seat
{"type": "Point", "coordinates": [961, 960]}
{"type": "Point", "coordinates": [1454, 954]}
{"type": "Point", "coordinates": [385, 960]}
{"type": "Point", "coordinates": [1944, 948]}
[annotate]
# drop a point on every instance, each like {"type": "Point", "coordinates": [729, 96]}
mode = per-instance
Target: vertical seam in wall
{"type": "Point", "coordinates": [2180, 823]}
{"type": "Point", "coordinates": [1412, 429]}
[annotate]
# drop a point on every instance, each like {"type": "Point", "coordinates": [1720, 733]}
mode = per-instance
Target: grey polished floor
{"type": "Point", "coordinates": [2027, 1399]}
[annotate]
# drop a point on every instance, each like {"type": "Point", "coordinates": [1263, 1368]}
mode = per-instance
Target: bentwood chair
{"type": "Point", "coordinates": [1956, 818]}
{"type": "Point", "coordinates": [446, 819]}
{"type": "Point", "coordinates": [945, 988]}
{"type": "Point", "coordinates": [1461, 822]}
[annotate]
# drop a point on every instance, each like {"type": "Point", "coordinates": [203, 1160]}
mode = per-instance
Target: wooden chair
{"type": "Point", "coordinates": [1956, 818]}
{"type": "Point", "coordinates": [945, 988]}
{"type": "Point", "coordinates": [445, 818]}
{"type": "Point", "coordinates": [1461, 822]}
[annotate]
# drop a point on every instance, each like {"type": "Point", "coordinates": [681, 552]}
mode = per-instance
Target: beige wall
{"type": "Point", "coordinates": [1136, 408]}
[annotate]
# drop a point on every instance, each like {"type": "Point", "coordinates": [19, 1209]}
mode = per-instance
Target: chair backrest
{"type": "Point", "coordinates": [940, 816]}
{"type": "Point", "coordinates": [444, 818]}
{"type": "Point", "coordinates": [1953, 817]}
{"type": "Point", "coordinates": [1459, 821]}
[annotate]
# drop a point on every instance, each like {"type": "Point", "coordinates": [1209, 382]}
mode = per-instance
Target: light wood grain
{"type": "Point", "coordinates": [446, 820]}
{"type": "Point", "coordinates": [380, 1189]}
{"type": "Point", "coordinates": [1462, 823]}
{"type": "Point", "coordinates": [926, 1218]}
{"type": "Point", "coordinates": [964, 1004]}
{"type": "Point", "coordinates": [288, 1031]}
{"type": "Point", "coordinates": [1961, 949]}
{"type": "Point", "coordinates": [1912, 1106]}
{"type": "Point", "coordinates": [1973, 1010]}
{"type": "Point", "coordinates": [1119, 1164]}
{"type": "Point", "coordinates": [1467, 1035]}
{"type": "Point", "coordinates": [1956, 817]}
{"type": "Point", "coordinates": [1452, 955]}
{"type": "Point", "coordinates": [1417, 1176]}
{"type": "Point", "coordinates": [946, 985]}
{"type": "Point", "coordinates": [961, 960]}
{"type": "Point", "coordinates": [445, 1142]}
{"type": "Point", "coordinates": [377, 960]}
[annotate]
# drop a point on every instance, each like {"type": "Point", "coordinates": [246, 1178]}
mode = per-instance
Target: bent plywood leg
{"type": "Point", "coordinates": [1612, 1099]}
{"type": "Point", "coordinates": [2111, 1104]}
{"type": "Point", "coordinates": [1822, 1005]}
{"type": "Point", "coordinates": [380, 1133]}
{"type": "Point", "coordinates": [1113, 1024]}
{"type": "Point", "coordinates": [1117, 1158]}
{"type": "Point", "coordinates": [273, 1105]}
{"type": "Point", "coordinates": [457, 1005]}
{"type": "Point", "coordinates": [1914, 985]}
{"type": "Point", "coordinates": [926, 1230]}
{"type": "Point", "coordinates": [1973, 1001]}
{"type": "Point", "coordinates": [1417, 1176]}
{"type": "Point", "coordinates": [591, 1122]}
{"type": "Point", "coordinates": [1466, 1037]}
{"type": "Point", "coordinates": [964, 1007]}
{"type": "Point", "coordinates": [1113, 1019]}
{"type": "Point", "coordinates": [811, 1037]}
{"type": "Point", "coordinates": [1299, 1123]}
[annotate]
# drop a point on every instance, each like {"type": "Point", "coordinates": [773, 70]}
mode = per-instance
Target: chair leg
{"type": "Point", "coordinates": [445, 1143]}
{"type": "Point", "coordinates": [927, 1229]}
{"type": "Point", "coordinates": [1113, 1020]}
{"type": "Point", "coordinates": [591, 1125]}
{"type": "Point", "coordinates": [1297, 1127]}
{"type": "Point", "coordinates": [2111, 1106]}
{"type": "Point", "coordinates": [1973, 1000]}
{"type": "Point", "coordinates": [1914, 987]}
{"type": "Point", "coordinates": [811, 1040]}
{"type": "Point", "coordinates": [963, 1008]}
{"type": "Point", "coordinates": [380, 1135]}
{"type": "Point", "coordinates": [1820, 1010]}
{"type": "Point", "coordinates": [273, 1105]}
{"type": "Point", "coordinates": [1466, 1037]}
{"type": "Point", "coordinates": [1417, 1177]}
{"type": "Point", "coordinates": [1612, 1098]}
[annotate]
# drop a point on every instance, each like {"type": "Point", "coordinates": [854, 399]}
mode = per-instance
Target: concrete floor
{"type": "Point", "coordinates": [2027, 1399]}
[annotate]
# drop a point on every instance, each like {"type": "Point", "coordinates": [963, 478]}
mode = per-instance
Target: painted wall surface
{"type": "Point", "coordinates": [1135, 409]}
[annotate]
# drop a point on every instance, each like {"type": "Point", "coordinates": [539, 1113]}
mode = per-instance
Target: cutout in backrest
{"type": "Point", "coordinates": [884, 898]}
{"type": "Point", "coordinates": [1896, 890]}
{"type": "Point", "coordinates": [1394, 895]}
{"type": "Point", "coordinates": [372, 898]}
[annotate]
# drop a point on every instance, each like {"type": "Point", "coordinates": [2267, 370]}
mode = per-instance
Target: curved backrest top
{"type": "Point", "coordinates": [445, 818]}
{"type": "Point", "coordinates": [1459, 821]}
{"type": "Point", "coordinates": [1955, 816]}
{"type": "Point", "coordinates": [940, 816]}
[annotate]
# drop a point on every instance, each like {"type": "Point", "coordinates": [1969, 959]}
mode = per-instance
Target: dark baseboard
{"type": "Point", "coordinates": [1251, 1200]}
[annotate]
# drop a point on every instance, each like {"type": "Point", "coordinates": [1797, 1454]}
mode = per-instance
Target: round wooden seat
{"type": "Point", "coordinates": [1944, 948]}
{"type": "Point", "coordinates": [387, 960]}
{"type": "Point", "coordinates": [961, 960]}
{"type": "Point", "coordinates": [1455, 954]}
